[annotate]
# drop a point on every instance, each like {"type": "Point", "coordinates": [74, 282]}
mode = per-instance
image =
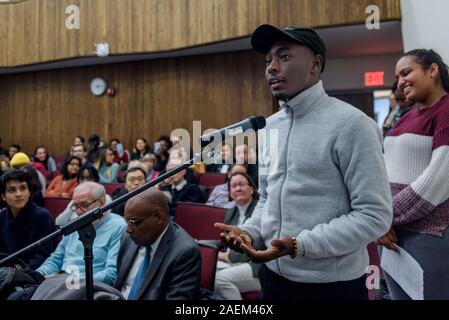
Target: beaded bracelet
{"type": "Point", "coordinates": [295, 248]}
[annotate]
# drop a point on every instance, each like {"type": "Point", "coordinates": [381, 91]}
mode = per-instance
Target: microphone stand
{"type": "Point", "coordinates": [86, 231]}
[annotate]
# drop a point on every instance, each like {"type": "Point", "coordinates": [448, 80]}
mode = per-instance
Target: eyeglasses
{"type": "Point", "coordinates": [240, 184]}
{"type": "Point", "coordinates": [74, 164]}
{"type": "Point", "coordinates": [132, 180]}
{"type": "Point", "coordinates": [134, 223]}
{"type": "Point", "coordinates": [83, 207]}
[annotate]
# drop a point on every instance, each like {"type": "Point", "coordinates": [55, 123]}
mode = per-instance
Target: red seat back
{"type": "Point", "coordinates": [59, 160]}
{"type": "Point", "coordinates": [211, 179]}
{"type": "Point", "coordinates": [209, 256]}
{"type": "Point", "coordinates": [112, 187]}
{"type": "Point", "coordinates": [121, 176]}
{"type": "Point", "coordinates": [250, 295]}
{"type": "Point", "coordinates": [56, 205]}
{"type": "Point", "coordinates": [198, 220]}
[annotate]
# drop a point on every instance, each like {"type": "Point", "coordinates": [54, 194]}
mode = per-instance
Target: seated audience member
{"type": "Point", "coordinates": [162, 152]}
{"type": "Point", "coordinates": [135, 178]}
{"type": "Point", "coordinates": [4, 163]}
{"type": "Point", "coordinates": [141, 149]}
{"type": "Point", "coordinates": [252, 156]}
{"type": "Point", "coordinates": [401, 107]}
{"type": "Point", "coordinates": [236, 273]}
{"type": "Point", "coordinates": [149, 161]}
{"type": "Point", "coordinates": [107, 168]}
{"type": "Point", "coordinates": [242, 157]}
{"type": "Point", "coordinates": [93, 149]}
{"type": "Point", "coordinates": [48, 167]}
{"type": "Point", "coordinates": [181, 155]}
{"type": "Point", "coordinates": [19, 160]}
{"type": "Point", "coordinates": [79, 141]}
{"type": "Point", "coordinates": [121, 155]}
{"type": "Point", "coordinates": [86, 173]}
{"type": "Point", "coordinates": [79, 151]}
{"type": "Point", "coordinates": [23, 222]}
{"type": "Point", "coordinates": [178, 189]}
{"type": "Point", "coordinates": [13, 149]}
{"type": "Point", "coordinates": [220, 194]}
{"type": "Point", "coordinates": [36, 188]}
{"type": "Point", "coordinates": [109, 230]}
{"type": "Point", "coordinates": [157, 260]}
{"type": "Point", "coordinates": [64, 184]}
{"type": "Point", "coordinates": [3, 152]}
{"type": "Point", "coordinates": [223, 161]}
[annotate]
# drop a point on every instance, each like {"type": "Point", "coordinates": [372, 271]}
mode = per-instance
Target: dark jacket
{"type": "Point", "coordinates": [174, 271]}
{"type": "Point", "coordinates": [32, 224]}
{"type": "Point", "coordinates": [12, 278]}
{"type": "Point", "coordinates": [120, 208]}
{"type": "Point", "coordinates": [217, 167]}
{"type": "Point", "coordinates": [190, 193]}
{"type": "Point", "coordinates": [232, 218]}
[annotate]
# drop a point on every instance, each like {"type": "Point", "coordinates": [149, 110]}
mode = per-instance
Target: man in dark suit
{"type": "Point", "coordinates": [178, 189]}
{"type": "Point", "coordinates": [157, 259]}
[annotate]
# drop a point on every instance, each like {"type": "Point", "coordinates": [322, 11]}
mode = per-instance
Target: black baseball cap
{"type": "Point", "coordinates": [265, 35]}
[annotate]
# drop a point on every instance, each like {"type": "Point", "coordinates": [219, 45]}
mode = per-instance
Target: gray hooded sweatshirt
{"type": "Point", "coordinates": [322, 179]}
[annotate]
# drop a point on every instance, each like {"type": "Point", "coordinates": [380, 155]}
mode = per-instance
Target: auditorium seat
{"type": "Point", "coordinates": [56, 205]}
{"type": "Point", "coordinates": [59, 160]}
{"type": "Point", "coordinates": [121, 176]}
{"type": "Point", "coordinates": [198, 219]}
{"type": "Point", "coordinates": [112, 187]}
{"type": "Point", "coordinates": [209, 179]}
{"type": "Point", "coordinates": [209, 256]}
{"type": "Point", "coordinates": [250, 295]}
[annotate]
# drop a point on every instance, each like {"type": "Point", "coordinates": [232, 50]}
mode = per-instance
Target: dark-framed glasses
{"type": "Point", "coordinates": [240, 184]}
{"type": "Point", "coordinates": [82, 206]}
{"type": "Point", "coordinates": [134, 223]}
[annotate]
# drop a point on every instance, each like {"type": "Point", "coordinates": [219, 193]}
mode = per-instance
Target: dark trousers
{"type": "Point", "coordinates": [275, 287]}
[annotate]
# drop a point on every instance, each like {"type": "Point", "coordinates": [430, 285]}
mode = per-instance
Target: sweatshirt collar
{"type": "Point", "coordinates": [305, 101]}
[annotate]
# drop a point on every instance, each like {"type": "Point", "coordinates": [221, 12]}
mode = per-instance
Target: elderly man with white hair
{"type": "Point", "coordinates": [69, 255]}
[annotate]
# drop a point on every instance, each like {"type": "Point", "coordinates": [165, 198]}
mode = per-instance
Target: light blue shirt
{"type": "Point", "coordinates": [70, 252]}
{"type": "Point", "coordinates": [112, 178]}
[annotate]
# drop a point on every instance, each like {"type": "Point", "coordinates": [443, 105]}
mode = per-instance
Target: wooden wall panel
{"type": "Point", "coordinates": [34, 31]}
{"type": "Point", "coordinates": [153, 97]}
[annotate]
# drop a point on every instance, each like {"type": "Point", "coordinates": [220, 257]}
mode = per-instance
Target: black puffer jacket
{"type": "Point", "coordinates": [18, 282]}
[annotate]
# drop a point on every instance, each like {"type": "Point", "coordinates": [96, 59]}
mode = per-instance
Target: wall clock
{"type": "Point", "coordinates": [98, 86]}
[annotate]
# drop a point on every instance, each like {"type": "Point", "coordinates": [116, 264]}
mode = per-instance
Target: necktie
{"type": "Point", "coordinates": [140, 275]}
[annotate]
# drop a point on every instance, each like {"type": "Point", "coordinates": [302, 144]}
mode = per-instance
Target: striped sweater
{"type": "Point", "coordinates": [417, 159]}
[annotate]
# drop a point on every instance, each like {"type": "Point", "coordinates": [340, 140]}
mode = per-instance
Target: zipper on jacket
{"type": "Point", "coordinates": [289, 111]}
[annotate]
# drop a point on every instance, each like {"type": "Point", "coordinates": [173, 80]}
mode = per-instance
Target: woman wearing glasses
{"type": "Point", "coordinates": [107, 168]}
{"type": "Point", "coordinates": [64, 184]}
{"type": "Point", "coordinates": [236, 273]}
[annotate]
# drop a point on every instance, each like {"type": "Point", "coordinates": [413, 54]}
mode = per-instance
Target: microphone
{"type": "Point", "coordinates": [254, 122]}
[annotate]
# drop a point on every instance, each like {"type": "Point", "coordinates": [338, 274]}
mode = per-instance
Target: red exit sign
{"type": "Point", "coordinates": [374, 79]}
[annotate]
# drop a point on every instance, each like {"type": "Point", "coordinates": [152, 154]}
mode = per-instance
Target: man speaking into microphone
{"type": "Point", "coordinates": [328, 196]}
